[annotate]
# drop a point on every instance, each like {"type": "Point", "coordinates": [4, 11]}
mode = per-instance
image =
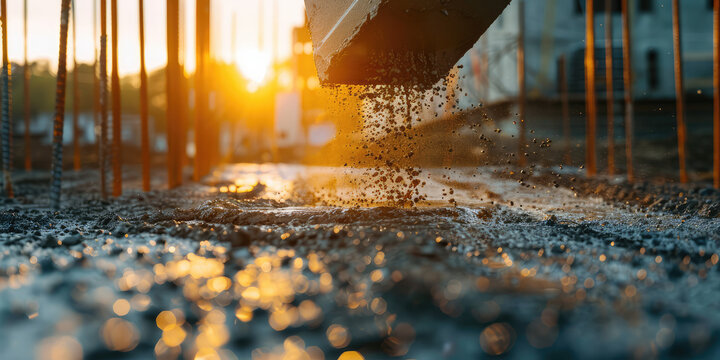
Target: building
{"type": "Point", "coordinates": [556, 28]}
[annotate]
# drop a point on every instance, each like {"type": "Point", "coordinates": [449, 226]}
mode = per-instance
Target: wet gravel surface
{"type": "Point", "coordinates": [260, 262]}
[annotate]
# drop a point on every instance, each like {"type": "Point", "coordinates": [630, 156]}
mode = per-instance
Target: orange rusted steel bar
{"type": "Point", "coordinates": [116, 104]}
{"type": "Point", "coordinates": [182, 123]}
{"type": "Point", "coordinates": [173, 75]}
{"type": "Point", "coordinates": [202, 129]}
{"type": "Point", "coordinates": [144, 131]}
{"type": "Point", "coordinates": [76, 96]}
{"type": "Point", "coordinates": [716, 95]}
{"type": "Point", "coordinates": [628, 78]}
{"type": "Point", "coordinates": [590, 99]}
{"type": "Point", "coordinates": [6, 111]}
{"type": "Point", "coordinates": [57, 164]}
{"type": "Point", "coordinates": [679, 92]}
{"type": "Point", "coordinates": [26, 90]}
{"type": "Point", "coordinates": [521, 83]}
{"type": "Point", "coordinates": [96, 82]}
{"type": "Point", "coordinates": [609, 86]}
{"type": "Point", "coordinates": [103, 98]}
{"type": "Point", "coordinates": [184, 96]}
{"type": "Point", "coordinates": [565, 100]}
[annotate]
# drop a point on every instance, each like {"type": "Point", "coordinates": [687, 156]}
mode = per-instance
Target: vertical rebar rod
{"type": "Point", "coordinates": [116, 104]}
{"type": "Point", "coordinates": [183, 96]}
{"type": "Point", "coordinates": [6, 104]}
{"type": "Point", "coordinates": [96, 83]}
{"type": "Point", "coordinates": [26, 89]}
{"type": "Point", "coordinates": [103, 101]}
{"type": "Point", "coordinates": [521, 83]}
{"type": "Point", "coordinates": [609, 86]}
{"type": "Point", "coordinates": [144, 131]}
{"type": "Point", "coordinates": [716, 95]}
{"type": "Point", "coordinates": [58, 123]}
{"type": "Point", "coordinates": [232, 124]}
{"type": "Point", "coordinates": [628, 79]}
{"type": "Point", "coordinates": [202, 153]}
{"type": "Point", "coordinates": [679, 92]}
{"type": "Point", "coordinates": [565, 100]}
{"type": "Point", "coordinates": [590, 99]}
{"type": "Point", "coordinates": [172, 88]}
{"type": "Point", "coordinates": [76, 95]}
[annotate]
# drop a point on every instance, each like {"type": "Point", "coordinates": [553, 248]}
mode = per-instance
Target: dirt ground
{"type": "Point", "coordinates": [270, 262]}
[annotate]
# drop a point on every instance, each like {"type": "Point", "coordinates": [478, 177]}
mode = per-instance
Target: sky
{"type": "Point", "coordinates": [44, 27]}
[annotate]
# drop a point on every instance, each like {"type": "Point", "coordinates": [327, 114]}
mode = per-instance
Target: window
{"type": "Point", "coordinates": [645, 6]}
{"type": "Point", "coordinates": [616, 6]}
{"type": "Point", "coordinates": [653, 67]}
{"type": "Point", "coordinates": [576, 71]}
{"type": "Point", "coordinates": [598, 6]}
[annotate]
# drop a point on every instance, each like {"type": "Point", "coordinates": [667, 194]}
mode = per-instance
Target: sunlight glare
{"type": "Point", "coordinates": [254, 65]}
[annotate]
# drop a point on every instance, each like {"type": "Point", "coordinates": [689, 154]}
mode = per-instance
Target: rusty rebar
{"type": "Point", "coordinates": [76, 96]}
{"type": "Point", "coordinates": [521, 84]}
{"type": "Point", "coordinates": [116, 105]}
{"type": "Point", "coordinates": [183, 96]}
{"type": "Point", "coordinates": [26, 90]}
{"type": "Point", "coordinates": [6, 107]}
{"type": "Point", "coordinates": [628, 80]}
{"type": "Point", "coordinates": [590, 99]}
{"type": "Point", "coordinates": [103, 101]}
{"type": "Point", "coordinates": [610, 94]}
{"type": "Point", "coordinates": [57, 164]}
{"type": "Point", "coordinates": [716, 95]}
{"type": "Point", "coordinates": [96, 81]}
{"type": "Point", "coordinates": [144, 135]}
{"type": "Point", "coordinates": [203, 154]}
{"type": "Point", "coordinates": [679, 92]}
{"type": "Point", "coordinates": [172, 90]}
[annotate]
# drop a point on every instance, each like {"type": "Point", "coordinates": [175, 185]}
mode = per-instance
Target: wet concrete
{"type": "Point", "coordinates": [269, 261]}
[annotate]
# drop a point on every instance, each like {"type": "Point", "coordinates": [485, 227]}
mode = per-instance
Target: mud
{"type": "Point", "coordinates": [266, 271]}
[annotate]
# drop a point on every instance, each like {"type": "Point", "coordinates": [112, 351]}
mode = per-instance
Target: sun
{"type": "Point", "coordinates": [254, 65]}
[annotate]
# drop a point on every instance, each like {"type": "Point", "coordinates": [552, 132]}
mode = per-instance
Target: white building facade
{"type": "Point", "coordinates": [556, 28]}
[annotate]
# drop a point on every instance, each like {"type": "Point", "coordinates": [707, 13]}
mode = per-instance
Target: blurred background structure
{"type": "Point", "coordinates": [260, 99]}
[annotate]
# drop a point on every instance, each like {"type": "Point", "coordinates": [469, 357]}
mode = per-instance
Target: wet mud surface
{"type": "Point", "coordinates": [265, 262]}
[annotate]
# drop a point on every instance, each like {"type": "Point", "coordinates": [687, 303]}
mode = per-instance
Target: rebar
{"type": "Point", "coordinates": [103, 101]}
{"type": "Point", "coordinates": [96, 81]}
{"type": "Point", "coordinates": [716, 95]}
{"type": "Point", "coordinates": [172, 89]}
{"type": "Point", "coordinates": [76, 96]}
{"type": "Point", "coordinates": [144, 136]}
{"type": "Point", "coordinates": [203, 128]}
{"type": "Point", "coordinates": [609, 87]}
{"type": "Point", "coordinates": [6, 104]}
{"type": "Point", "coordinates": [590, 99]}
{"type": "Point", "coordinates": [116, 106]}
{"type": "Point", "coordinates": [628, 79]}
{"type": "Point", "coordinates": [26, 90]}
{"type": "Point", "coordinates": [679, 92]}
{"type": "Point", "coordinates": [57, 161]}
{"type": "Point", "coordinates": [521, 83]}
